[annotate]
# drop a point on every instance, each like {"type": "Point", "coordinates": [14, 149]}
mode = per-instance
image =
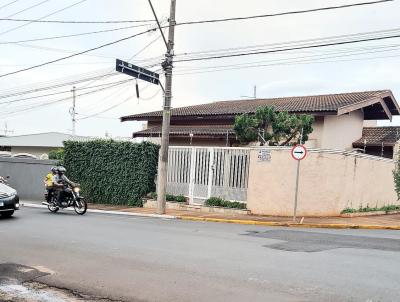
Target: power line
{"type": "Point", "coordinates": [76, 54]}
{"type": "Point", "coordinates": [288, 49]}
{"type": "Point", "coordinates": [112, 84]}
{"type": "Point", "coordinates": [283, 13]}
{"type": "Point", "coordinates": [75, 22]}
{"type": "Point", "coordinates": [281, 44]}
{"type": "Point", "coordinates": [57, 101]}
{"type": "Point", "coordinates": [5, 5]}
{"type": "Point", "coordinates": [203, 21]}
{"type": "Point", "coordinates": [51, 85]}
{"type": "Point", "coordinates": [106, 110]}
{"type": "Point", "coordinates": [28, 8]}
{"type": "Point", "coordinates": [73, 35]}
{"type": "Point", "coordinates": [43, 17]}
{"type": "Point", "coordinates": [214, 57]}
{"type": "Point", "coordinates": [280, 63]}
{"type": "Point", "coordinates": [337, 53]}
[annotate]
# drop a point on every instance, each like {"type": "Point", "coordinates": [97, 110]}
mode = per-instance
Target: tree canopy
{"type": "Point", "coordinates": [273, 128]}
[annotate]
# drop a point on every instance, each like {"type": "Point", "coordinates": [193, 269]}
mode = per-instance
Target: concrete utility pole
{"type": "Point", "coordinates": [73, 111]}
{"type": "Point", "coordinates": [167, 66]}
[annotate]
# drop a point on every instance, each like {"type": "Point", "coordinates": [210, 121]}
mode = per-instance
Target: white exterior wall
{"type": "Point", "coordinates": [37, 151]}
{"type": "Point", "coordinates": [339, 132]}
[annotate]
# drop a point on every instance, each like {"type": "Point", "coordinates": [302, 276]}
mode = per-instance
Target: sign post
{"type": "Point", "coordinates": [299, 152]}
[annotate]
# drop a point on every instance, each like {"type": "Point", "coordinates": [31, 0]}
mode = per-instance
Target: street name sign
{"type": "Point", "coordinates": [299, 152]}
{"type": "Point", "coordinates": [137, 72]}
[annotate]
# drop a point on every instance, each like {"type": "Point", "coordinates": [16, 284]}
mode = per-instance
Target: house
{"type": "Point", "coordinates": [36, 144]}
{"type": "Point", "coordinates": [339, 119]}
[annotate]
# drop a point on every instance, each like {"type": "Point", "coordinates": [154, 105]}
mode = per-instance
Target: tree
{"type": "Point", "coordinates": [58, 155]}
{"type": "Point", "coordinates": [272, 127]}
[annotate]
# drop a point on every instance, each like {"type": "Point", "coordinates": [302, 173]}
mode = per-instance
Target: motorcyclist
{"type": "Point", "coordinates": [48, 182]}
{"type": "Point", "coordinates": [60, 182]}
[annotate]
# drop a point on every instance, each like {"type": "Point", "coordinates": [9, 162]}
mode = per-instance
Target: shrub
{"type": "Point", "coordinates": [180, 198]}
{"type": "Point", "coordinates": [112, 172]}
{"type": "Point", "coordinates": [170, 197]}
{"type": "Point", "coordinates": [219, 202]}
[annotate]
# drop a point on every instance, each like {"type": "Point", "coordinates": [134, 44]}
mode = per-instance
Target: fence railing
{"type": "Point", "coordinates": [201, 172]}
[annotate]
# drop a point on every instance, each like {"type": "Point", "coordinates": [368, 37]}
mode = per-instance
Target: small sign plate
{"type": "Point", "coordinates": [264, 155]}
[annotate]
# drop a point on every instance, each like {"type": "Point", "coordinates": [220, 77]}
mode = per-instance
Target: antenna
{"type": "Point", "coordinates": [254, 94]}
{"type": "Point", "coordinates": [6, 131]}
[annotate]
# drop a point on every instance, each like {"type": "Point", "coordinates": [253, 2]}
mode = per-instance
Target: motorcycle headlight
{"type": "Point", "coordinates": [77, 190]}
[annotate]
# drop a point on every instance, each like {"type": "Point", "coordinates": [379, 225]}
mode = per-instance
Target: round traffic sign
{"type": "Point", "coordinates": [299, 152]}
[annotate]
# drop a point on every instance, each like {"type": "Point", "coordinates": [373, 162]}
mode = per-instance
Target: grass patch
{"type": "Point", "coordinates": [368, 209]}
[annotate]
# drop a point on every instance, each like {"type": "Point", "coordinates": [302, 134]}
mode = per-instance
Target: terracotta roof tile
{"type": "Point", "coordinates": [375, 136]}
{"type": "Point", "coordinates": [310, 104]}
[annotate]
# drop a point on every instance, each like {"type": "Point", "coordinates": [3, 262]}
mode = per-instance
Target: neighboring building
{"type": "Point", "coordinates": [379, 141]}
{"type": "Point", "coordinates": [36, 144]}
{"type": "Point", "coordinates": [339, 118]}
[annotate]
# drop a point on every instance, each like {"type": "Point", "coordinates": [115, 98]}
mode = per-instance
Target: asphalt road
{"type": "Point", "coordinates": [144, 259]}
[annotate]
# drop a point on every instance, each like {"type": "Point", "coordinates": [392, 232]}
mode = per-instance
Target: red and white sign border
{"type": "Point", "coordinates": [305, 152]}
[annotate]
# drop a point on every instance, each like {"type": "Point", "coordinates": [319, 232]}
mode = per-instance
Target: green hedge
{"type": "Point", "coordinates": [112, 172]}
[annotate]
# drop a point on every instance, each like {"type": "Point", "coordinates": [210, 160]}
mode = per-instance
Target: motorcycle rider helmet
{"type": "Point", "coordinates": [54, 169]}
{"type": "Point", "coordinates": [61, 170]}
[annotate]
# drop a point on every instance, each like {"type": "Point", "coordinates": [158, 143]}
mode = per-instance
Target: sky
{"type": "Point", "coordinates": [98, 113]}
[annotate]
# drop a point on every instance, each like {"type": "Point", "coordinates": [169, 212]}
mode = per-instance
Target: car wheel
{"type": "Point", "coordinates": [7, 214]}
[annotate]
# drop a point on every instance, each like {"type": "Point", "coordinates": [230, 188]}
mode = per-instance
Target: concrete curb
{"type": "Point", "coordinates": [235, 221]}
{"type": "Point", "coordinates": [291, 225]}
{"type": "Point", "coordinates": [34, 205]}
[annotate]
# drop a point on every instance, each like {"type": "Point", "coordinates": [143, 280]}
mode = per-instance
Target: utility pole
{"type": "Point", "coordinates": [167, 66]}
{"type": "Point", "coordinates": [255, 91]}
{"type": "Point", "coordinates": [73, 110]}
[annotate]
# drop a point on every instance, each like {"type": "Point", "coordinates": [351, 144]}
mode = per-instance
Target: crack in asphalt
{"type": "Point", "coordinates": [19, 283]}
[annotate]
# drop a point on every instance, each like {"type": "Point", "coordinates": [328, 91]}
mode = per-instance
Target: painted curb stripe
{"type": "Point", "coordinates": [292, 225]}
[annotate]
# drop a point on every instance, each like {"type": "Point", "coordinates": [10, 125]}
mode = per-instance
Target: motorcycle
{"type": "Point", "coordinates": [72, 198]}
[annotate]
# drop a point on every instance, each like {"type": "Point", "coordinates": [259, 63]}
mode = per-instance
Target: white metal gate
{"type": "Point", "coordinates": [200, 173]}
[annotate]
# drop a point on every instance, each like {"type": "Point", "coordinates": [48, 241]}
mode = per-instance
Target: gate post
{"type": "Point", "coordinates": [210, 172]}
{"type": "Point", "coordinates": [192, 175]}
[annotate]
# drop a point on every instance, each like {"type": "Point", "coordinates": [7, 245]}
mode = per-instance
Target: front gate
{"type": "Point", "coordinates": [200, 173]}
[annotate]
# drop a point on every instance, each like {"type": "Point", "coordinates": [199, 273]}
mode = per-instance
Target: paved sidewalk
{"type": "Point", "coordinates": [379, 220]}
{"type": "Point", "coordinates": [367, 222]}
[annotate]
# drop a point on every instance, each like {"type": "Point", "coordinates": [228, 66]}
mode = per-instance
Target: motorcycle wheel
{"type": "Point", "coordinates": [80, 207]}
{"type": "Point", "coordinates": [52, 207]}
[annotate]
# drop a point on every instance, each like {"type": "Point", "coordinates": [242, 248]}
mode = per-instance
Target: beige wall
{"type": "Point", "coordinates": [328, 184]}
{"type": "Point", "coordinates": [37, 151]}
{"type": "Point", "coordinates": [315, 138]}
{"type": "Point", "coordinates": [339, 132]}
